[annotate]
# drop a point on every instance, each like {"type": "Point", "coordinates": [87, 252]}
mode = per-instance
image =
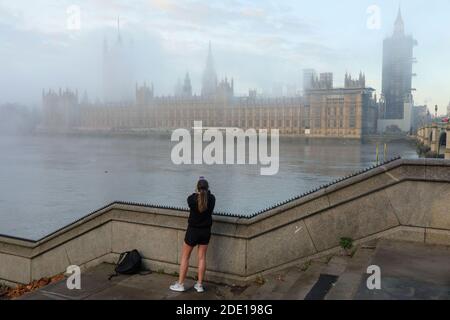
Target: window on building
{"type": "Point", "coordinates": [352, 117]}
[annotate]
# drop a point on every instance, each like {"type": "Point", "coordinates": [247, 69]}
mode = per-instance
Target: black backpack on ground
{"type": "Point", "coordinates": [130, 262]}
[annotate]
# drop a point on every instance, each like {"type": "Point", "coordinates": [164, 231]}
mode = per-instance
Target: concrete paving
{"type": "Point", "coordinates": [349, 280]}
{"type": "Point", "coordinates": [96, 286]}
{"type": "Point", "coordinates": [292, 283]}
{"type": "Point", "coordinates": [408, 271]}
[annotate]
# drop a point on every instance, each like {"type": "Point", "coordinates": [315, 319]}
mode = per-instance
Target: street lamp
{"type": "Point", "coordinates": [436, 110]}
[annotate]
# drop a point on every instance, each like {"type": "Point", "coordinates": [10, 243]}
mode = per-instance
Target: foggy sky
{"type": "Point", "coordinates": [258, 43]}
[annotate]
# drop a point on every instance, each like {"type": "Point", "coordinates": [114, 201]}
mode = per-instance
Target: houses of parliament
{"type": "Point", "coordinates": [322, 110]}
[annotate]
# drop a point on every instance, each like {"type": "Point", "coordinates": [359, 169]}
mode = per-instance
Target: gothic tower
{"type": "Point", "coordinates": [187, 88]}
{"type": "Point", "coordinates": [117, 72]}
{"type": "Point", "coordinates": [397, 70]}
{"type": "Point", "coordinates": [399, 25]}
{"type": "Point", "coordinates": [209, 81]}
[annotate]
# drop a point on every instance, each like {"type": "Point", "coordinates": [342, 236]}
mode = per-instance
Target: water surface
{"type": "Point", "coordinates": [48, 182]}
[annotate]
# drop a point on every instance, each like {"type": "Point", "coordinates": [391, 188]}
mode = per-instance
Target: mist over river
{"type": "Point", "coordinates": [47, 182]}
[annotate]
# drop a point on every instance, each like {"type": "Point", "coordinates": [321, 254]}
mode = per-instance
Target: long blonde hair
{"type": "Point", "coordinates": [202, 200]}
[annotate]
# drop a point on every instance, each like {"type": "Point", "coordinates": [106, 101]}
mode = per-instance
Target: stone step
{"type": "Point", "coordinates": [295, 282]}
{"type": "Point", "coordinates": [258, 291]}
{"type": "Point", "coordinates": [337, 265]}
{"type": "Point", "coordinates": [349, 280]}
{"type": "Point", "coordinates": [287, 278]}
{"type": "Point", "coordinates": [305, 280]}
{"type": "Point", "coordinates": [278, 285]}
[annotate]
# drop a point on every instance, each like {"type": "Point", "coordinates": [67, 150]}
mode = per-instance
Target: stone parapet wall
{"type": "Point", "coordinates": [403, 199]}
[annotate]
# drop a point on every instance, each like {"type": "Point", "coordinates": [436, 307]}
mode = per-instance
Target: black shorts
{"type": "Point", "coordinates": [197, 236]}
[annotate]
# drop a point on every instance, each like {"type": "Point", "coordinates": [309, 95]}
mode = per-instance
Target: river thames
{"type": "Point", "coordinates": [47, 182]}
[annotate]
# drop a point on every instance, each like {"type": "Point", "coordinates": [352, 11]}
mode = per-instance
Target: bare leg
{"type": "Point", "coordinates": [185, 255]}
{"type": "Point", "coordinates": [201, 262]}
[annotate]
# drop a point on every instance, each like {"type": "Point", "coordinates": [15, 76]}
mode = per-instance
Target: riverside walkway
{"type": "Point", "coordinates": [409, 270]}
{"type": "Point", "coordinates": [403, 200]}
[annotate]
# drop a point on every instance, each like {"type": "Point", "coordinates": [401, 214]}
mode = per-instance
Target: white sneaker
{"type": "Point", "coordinates": [199, 287]}
{"type": "Point", "coordinates": [179, 287]}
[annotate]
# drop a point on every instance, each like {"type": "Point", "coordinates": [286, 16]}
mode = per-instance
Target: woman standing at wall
{"type": "Point", "coordinates": [201, 205]}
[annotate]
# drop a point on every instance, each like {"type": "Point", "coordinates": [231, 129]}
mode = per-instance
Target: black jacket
{"type": "Point", "coordinates": [200, 219]}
